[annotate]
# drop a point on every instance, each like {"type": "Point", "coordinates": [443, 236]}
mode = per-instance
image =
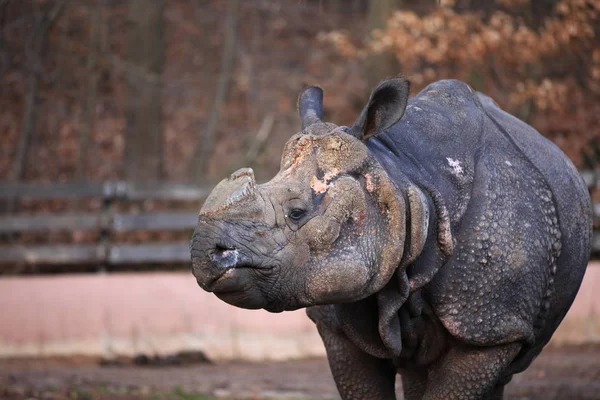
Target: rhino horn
{"type": "Point", "coordinates": [241, 185]}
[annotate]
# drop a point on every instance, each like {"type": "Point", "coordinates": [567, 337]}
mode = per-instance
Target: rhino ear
{"type": "Point", "coordinates": [310, 105]}
{"type": "Point", "coordinates": [386, 106]}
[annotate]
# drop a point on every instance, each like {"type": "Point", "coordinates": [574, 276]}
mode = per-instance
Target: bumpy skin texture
{"type": "Point", "coordinates": [448, 247]}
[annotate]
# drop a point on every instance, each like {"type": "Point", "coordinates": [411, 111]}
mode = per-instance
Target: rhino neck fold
{"type": "Point", "coordinates": [429, 241]}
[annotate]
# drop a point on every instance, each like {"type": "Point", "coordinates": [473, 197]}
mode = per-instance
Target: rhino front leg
{"type": "Point", "coordinates": [414, 382]}
{"type": "Point", "coordinates": [357, 375]}
{"type": "Point", "coordinates": [470, 373]}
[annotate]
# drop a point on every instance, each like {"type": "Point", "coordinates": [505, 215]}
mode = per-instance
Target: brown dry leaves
{"type": "Point", "coordinates": [531, 72]}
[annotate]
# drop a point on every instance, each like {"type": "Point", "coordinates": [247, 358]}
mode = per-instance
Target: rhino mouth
{"type": "Point", "coordinates": [226, 269]}
{"type": "Point", "coordinates": [228, 280]}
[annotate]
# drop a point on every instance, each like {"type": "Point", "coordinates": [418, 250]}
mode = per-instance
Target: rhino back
{"type": "Point", "coordinates": [519, 212]}
{"type": "Point", "coordinates": [568, 188]}
{"type": "Point", "coordinates": [573, 211]}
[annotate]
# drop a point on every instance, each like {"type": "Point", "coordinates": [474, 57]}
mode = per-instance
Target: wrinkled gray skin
{"type": "Point", "coordinates": [444, 240]}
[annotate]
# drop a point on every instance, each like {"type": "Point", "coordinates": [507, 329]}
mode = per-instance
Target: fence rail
{"type": "Point", "coordinates": [107, 222]}
{"type": "Point", "coordinates": [101, 254]}
{"type": "Point", "coordinates": [99, 221]}
{"type": "Point", "coordinates": [110, 190]}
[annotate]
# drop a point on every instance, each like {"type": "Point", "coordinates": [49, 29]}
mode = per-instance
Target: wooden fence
{"type": "Point", "coordinates": [107, 223]}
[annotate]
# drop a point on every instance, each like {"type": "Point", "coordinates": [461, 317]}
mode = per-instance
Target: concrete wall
{"type": "Point", "coordinates": [124, 314]}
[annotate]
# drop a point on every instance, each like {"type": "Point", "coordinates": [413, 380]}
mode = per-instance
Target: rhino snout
{"type": "Point", "coordinates": [224, 263]}
{"type": "Point", "coordinates": [210, 257]}
{"type": "Point", "coordinates": [217, 258]}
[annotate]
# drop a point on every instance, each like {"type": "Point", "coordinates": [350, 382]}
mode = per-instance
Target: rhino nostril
{"type": "Point", "coordinates": [224, 257]}
{"type": "Point", "coordinates": [219, 248]}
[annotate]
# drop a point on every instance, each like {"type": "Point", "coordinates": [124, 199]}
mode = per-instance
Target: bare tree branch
{"type": "Point", "coordinates": [261, 137]}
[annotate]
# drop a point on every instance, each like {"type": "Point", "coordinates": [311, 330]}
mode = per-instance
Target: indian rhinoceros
{"type": "Point", "coordinates": [438, 237]}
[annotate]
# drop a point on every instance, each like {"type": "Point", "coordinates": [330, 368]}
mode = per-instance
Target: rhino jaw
{"type": "Point", "coordinates": [240, 186]}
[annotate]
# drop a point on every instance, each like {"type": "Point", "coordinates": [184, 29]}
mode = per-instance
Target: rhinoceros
{"type": "Point", "coordinates": [438, 238]}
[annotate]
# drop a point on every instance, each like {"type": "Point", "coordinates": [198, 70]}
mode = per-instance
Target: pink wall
{"type": "Point", "coordinates": [167, 312]}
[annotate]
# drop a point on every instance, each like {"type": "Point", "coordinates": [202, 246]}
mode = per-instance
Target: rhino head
{"type": "Point", "coordinates": [328, 228]}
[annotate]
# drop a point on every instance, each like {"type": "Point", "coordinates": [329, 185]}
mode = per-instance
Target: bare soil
{"type": "Point", "coordinates": [558, 373]}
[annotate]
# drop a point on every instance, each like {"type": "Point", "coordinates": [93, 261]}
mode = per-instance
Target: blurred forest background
{"type": "Point", "coordinates": [107, 94]}
{"type": "Point", "coordinates": [190, 90]}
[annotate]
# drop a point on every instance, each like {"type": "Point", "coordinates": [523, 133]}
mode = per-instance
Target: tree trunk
{"type": "Point", "coordinates": [357, 6]}
{"type": "Point", "coordinates": [384, 65]}
{"type": "Point", "coordinates": [205, 147]}
{"type": "Point", "coordinates": [43, 21]}
{"type": "Point", "coordinates": [4, 55]}
{"type": "Point", "coordinates": [145, 47]}
{"type": "Point", "coordinates": [88, 118]}
{"type": "Point", "coordinates": [37, 39]}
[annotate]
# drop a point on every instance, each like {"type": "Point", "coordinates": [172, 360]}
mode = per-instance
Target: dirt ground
{"type": "Point", "coordinates": [558, 373]}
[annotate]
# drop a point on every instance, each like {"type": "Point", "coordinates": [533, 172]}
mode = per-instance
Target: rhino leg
{"type": "Point", "coordinates": [497, 393]}
{"type": "Point", "coordinates": [470, 373]}
{"type": "Point", "coordinates": [414, 382]}
{"type": "Point", "coordinates": [357, 375]}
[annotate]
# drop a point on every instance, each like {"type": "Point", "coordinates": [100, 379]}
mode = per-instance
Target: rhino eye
{"type": "Point", "coordinates": [296, 214]}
